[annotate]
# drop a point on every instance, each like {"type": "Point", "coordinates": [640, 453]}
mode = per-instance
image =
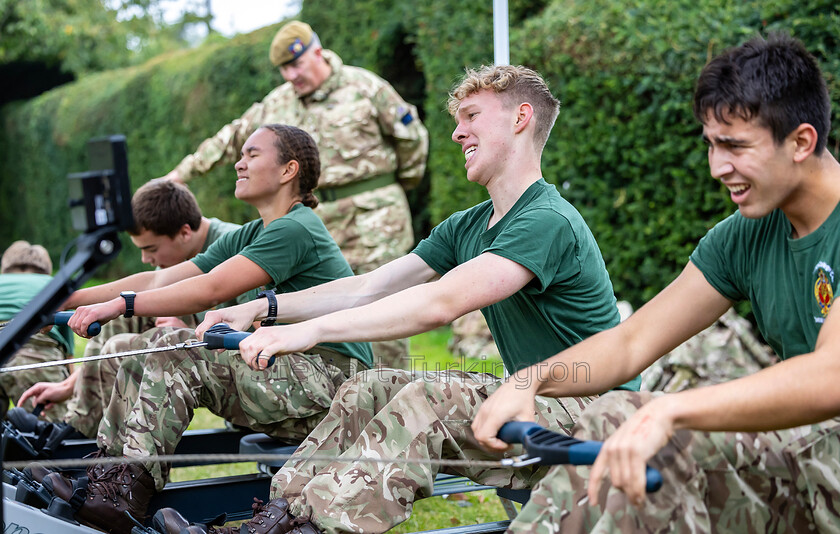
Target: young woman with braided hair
{"type": "Point", "coordinates": [287, 249]}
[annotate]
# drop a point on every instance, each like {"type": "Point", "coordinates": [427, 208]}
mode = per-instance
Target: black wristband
{"type": "Point", "coordinates": [272, 307]}
{"type": "Point", "coordinates": [128, 296]}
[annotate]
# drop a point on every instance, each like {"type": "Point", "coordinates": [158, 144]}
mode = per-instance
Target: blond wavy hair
{"type": "Point", "coordinates": [515, 85]}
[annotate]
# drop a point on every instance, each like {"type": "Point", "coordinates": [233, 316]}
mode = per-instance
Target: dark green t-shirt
{"type": "Point", "coordinates": [789, 282]}
{"type": "Point", "coordinates": [217, 229]}
{"type": "Point", "coordinates": [17, 289]}
{"type": "Point", "coordinates": [569, 299]}
{"type": "Point", "coordinates": [296, 251]}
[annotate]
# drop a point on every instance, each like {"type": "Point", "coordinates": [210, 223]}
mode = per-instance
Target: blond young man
{"type": "Point", "coordinates": [525, 258]}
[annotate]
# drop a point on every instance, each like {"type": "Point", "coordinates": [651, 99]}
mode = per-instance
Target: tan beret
{"type": "Point", "coordinates": [22, 256]}
{"type": "Point", "coordinates": [291, 41]}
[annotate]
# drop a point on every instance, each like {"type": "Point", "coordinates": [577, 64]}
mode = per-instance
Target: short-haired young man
{"type": "Point", "coordinates": [760, 453]}
{"type": "Point", "coordinates": [169, 228]}
{"type": "Point", "coordinates": [525, 258]}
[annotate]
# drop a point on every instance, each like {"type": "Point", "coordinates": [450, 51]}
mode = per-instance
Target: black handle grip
{"type": "Point", "coordinates": [221, 336]}
{"type": "Point", "coordinates": [553, 448]}
{"type": "Point", "coordinates": [61, 318]}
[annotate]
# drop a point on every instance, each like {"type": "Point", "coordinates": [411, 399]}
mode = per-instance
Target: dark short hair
{"type": "Point", "coordinates": [295, 144]}
{"type": "Point", "coordinates": [164, 207]}
{"type": "Point", "coordinates": [775, 80]}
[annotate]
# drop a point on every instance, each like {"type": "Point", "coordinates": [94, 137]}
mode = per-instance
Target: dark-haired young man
{"type": "Point", "coordinates": [169, 229]}
{"type": "Point", "coordinates": [760, 453]}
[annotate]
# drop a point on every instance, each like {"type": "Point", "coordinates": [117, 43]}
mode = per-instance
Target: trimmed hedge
{"type": "Point", "coordinates": [165, 108]}
{"type": "Point", "coordinates": [625, 150]}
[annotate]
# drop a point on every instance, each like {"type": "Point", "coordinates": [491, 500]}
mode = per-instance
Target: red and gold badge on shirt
{"type": "Point", "coordinates": [823, 290]}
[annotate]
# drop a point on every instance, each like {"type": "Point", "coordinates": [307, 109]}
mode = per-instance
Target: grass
{"type": "Point", "coordinates": [429, 351]}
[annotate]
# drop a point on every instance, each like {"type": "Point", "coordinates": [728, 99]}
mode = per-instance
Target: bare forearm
{"type": "Point", "coordinates": [796, 392]}
{"type": "Point", "coordinates": [183, 298]}
{"type": "Point", "coordinates": [591, 367]}
{"type": "Point", "coordinates": [341, 294]}
{"type": "Point", "coordinates": [352, 291]}
{"type": "Point", "coordinates": [102, 293]}
{"type": "Point", "coordinates": [612, 357]}
{"type": "Point", "coordinates": [404, 314]}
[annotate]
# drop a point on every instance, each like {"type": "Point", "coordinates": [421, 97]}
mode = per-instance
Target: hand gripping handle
{"type": "Point", "coordinates": [515, 431]}
{"type": "Point", "coordinates": [554, 448]}
{"type": "Point", "coordinates": [61, 318]}
{"type": "Point", "coordinates": [221, 336]}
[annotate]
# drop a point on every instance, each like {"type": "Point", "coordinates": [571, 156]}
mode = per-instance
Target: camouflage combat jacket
{"type": "Point", "coordinates": [362, 126]}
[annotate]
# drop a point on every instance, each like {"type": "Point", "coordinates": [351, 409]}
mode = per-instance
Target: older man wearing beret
{"type": "Point", "coordinates": [372, 144]}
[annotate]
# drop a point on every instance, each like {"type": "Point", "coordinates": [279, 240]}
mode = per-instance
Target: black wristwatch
{"type": "Point", "coordinates": [269, 295]}
{"type": "Point", "coordinates": [128, 296]}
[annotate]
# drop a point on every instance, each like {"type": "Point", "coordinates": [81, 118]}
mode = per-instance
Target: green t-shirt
{"type": "Point", "coordinates": [17, 289]}
{"type": "Point", "coordinates": [217, 229]}
{"type": "Point", "coordinates": [296, 251]}
{"type": "Point", "coordinates": [789, 282]}
{"type": "Point", "coordinates": [569, 299]}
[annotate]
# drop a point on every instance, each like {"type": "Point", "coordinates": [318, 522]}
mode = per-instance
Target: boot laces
{"type": "Point", "coordinates": [260, 514]}
{"type": "Point", "coordinates": [258, 506]}
{"type": "Point", "coordinates": [108, 481]}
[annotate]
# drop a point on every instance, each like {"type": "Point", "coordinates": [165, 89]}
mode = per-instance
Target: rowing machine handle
{"type": "Point", "coordinates": [515, 431]}
{"type": "Point", "coordinates": [571, 451]}
{"type": "Point", "coordinates": [221, 336]}
{"type": "Point", "coordinates": [61, 318]}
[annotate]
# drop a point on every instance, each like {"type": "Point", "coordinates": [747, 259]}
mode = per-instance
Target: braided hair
{"type": "Point", "coordinates": [295, 144]}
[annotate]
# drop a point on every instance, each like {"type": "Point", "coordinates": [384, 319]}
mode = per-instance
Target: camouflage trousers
{"type": "Point", "coordinates": [372, 229]}
{"type": "Point", "coordinates": [93, 387]}
{"type": "Point", "coordinates": [395, 414]}
{"type": "Point", "coordinates": [40, 348]}
{"type": "Point", "coordinates": [782, 481]}
{"type": "Point", "coordinates": [155, 395]}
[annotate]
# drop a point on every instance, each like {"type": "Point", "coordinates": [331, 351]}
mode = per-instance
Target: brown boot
{"type": "Point", "coordinates": [113, 491]}
{"type": "Point", "coordinates": [71, 488]}
{"type": "Point", "coordinates": [36, 472]}
{"type": "Point", "coordinates": [302, 525]}
{"type": "Point", "coordinates": [59, 485]}
{"type": "Point", "coordinates": [170, 521]}
{"type": "Point", "coordinates": [271, 518]}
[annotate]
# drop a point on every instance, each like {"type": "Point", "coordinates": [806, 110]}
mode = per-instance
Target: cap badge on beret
{"type": "Point", "coordinates": [290, 42]}
{"type": "Point", "coordinates": [296, 47]}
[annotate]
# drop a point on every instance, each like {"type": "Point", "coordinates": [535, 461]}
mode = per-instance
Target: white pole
{"type": "Point", "coordinates": [501, 38]}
